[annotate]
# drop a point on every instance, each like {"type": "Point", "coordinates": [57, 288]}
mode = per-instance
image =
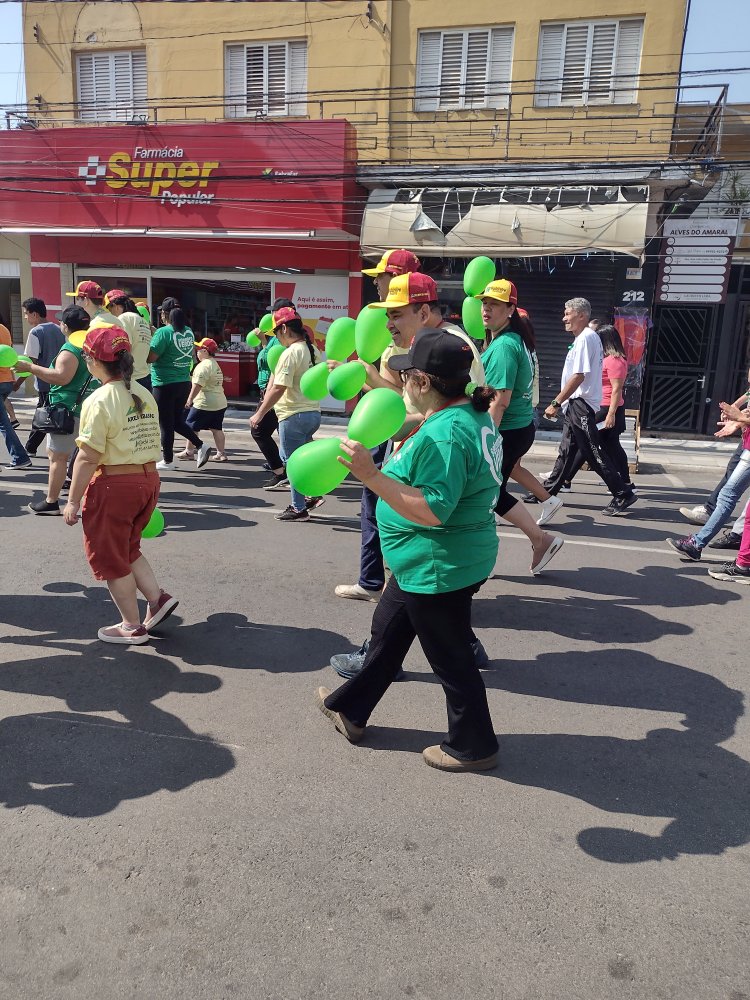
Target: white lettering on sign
{"type": "Point", "coordinates": [158, 154]}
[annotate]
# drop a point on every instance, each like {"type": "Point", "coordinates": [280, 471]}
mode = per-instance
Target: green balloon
{"type": "Point", "coordinates": [340, 339]}
{"type": "Point", "coordinates": [145, 313]}
{"type": "Point", "coordinates": [471, 317]}
{"type": "Point", "coordinates": [478, 274]}
{"type": "Point", "coordinates": [155, 524]}
{"type": "Point", "coordinates": [266, 323]}
{"type": "Point", "coordinates": [371, 336]}
{"type": "Point", "coordinates": [273, 356]}
{"type": "Point", "coordinates": [23, 357]}
{"type": "Point", "coordinates": [377, 416]}
{"type": "Point", "coordinates": [314, 383]}
{"type": "Point", "coordinates": [313, 469]}
{"type": "Point", "coordinates": [346, 381]}
{"type": "Point", "coordinates": [8, 356]}
{"type": "Point", "coordinates": [252, 339]}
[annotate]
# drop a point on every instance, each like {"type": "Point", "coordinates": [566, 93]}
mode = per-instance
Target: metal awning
{"type": "Point", "coordinates": [507, 221]}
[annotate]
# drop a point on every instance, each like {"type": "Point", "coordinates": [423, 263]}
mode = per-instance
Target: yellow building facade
{"type": "Point", "coordinates": [421, 80]}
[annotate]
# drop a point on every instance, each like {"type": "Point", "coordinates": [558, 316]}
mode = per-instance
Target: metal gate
{"type": "Point", "coordinates": [680, 371]}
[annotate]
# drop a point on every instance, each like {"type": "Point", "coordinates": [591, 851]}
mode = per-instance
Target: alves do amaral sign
{"type": "Point", "coordinates": [221, 175]}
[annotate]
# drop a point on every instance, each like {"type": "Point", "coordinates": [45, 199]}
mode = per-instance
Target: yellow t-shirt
{"type": "Point", "coordinates": [290, 368]}
{"type": "Point", "coordinates": [209, 376]}
{"type": "Point", "coordinates": [111, 425]}
{"type": "Point", "coordinates": [139, 333]}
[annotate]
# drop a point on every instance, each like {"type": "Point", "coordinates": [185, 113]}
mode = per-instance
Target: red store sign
{"type": "Point", "coordinates": [222, 176]}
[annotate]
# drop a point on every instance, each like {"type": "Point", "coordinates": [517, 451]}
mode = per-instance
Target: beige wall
{"type": "Point", "coordinates": [350, 58]}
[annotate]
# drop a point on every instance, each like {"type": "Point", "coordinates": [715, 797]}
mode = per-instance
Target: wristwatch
{"type": "Point", "coordinates": [556, 403]}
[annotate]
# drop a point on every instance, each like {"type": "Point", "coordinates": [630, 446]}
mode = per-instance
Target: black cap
{"type": "Point", "coordinates": [435, 352]}
{"type": "Point", "coordinates": [169, 304]}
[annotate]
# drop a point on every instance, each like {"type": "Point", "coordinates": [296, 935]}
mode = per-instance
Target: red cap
{"type": "Point", "coordinates": [408, 288]}
{"type": "Point", "coordinates": [87, 289]}
{"type": "Point", "coordinates": [207, 344]}
{"type": "Point", "coordinates": [104, 343]}
{"type": "Point", "coordinates": [395, 262]}
{"type": "Point", "coordinates": [284, 315]}
{"type": "Point", "coordinates": [114, 293]}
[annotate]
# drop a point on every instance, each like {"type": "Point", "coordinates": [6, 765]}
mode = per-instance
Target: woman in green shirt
{"type": "Point", "coordinates": [67, 377]}
{"type": "Point", "coordinates": [171, 360]}
{"type": "Point", "coordinates": [437, 531]}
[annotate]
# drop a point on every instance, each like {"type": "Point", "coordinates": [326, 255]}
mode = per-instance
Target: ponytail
{"type": "Point", "coordinates": [299, 329]}
{"type": "Point", "coordinates": [122, 368]}
{"type": "Point", "coordinates": [310, 348]}
{"type": "Point", "coordinates": [177, 320]}
{"type": "Point", "coordinates": [481, 396]}
{"type": "Point", "coordinates": [522, 326]}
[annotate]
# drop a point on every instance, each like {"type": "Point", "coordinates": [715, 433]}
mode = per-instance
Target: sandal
{"type": "Point", "coordinates": [186, 456]}
{"type": "Point", "coordinates": [219, 457]}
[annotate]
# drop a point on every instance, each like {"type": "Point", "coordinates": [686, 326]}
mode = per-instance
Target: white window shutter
{"type": "Point", "coordinates": [500, 67]}
{"type": "Point", "coordinates": [297, 75]}
{"type": "Point", "coordinates": [140, 82]}
{"type": "Point", "coordinates": [255, 79]}
{"type": "Point", "coordinates": [85, 82]}
{"type": "Point", "coordinates": [452, 58]}
{"type": "Point", "coordinates": [235, 83]}
{"type": "Point", "coordinates": [276, 75]}
{"type": "Point", "coordinates": [476, 70]}
{"type": "Point", "coordinates": [428, 71]}
{"type": "Point", "coordinates": [550, 65]}
{"type": "Point", "coordinates": [575, 62]}
{"type": "Point", "coordinates": [122, 86]}
{"type": "Point", "coordinates": [603, 42]}
{"type": "Point", "coordinates": [627, 61]}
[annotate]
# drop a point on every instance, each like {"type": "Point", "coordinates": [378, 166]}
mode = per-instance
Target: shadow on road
{"type": "Point", "coordinates": [80, 764]}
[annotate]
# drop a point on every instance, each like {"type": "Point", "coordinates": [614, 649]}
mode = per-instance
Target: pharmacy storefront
{"type": "Point", "coordinates": [224, 216]}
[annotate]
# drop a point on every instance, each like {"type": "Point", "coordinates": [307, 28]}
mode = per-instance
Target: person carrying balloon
{"type": "Point", "coordinates": [264, 430]}
{"type": "Point", "coordinates": [437, 532]}
{"type": "Point", "coordinates": [19, 458]}
{"type": "Point", "coordinates": [115, 485]}
{"type": "Point", "coordinates": [298, 415]}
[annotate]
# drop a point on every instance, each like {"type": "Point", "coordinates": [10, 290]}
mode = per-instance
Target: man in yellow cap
{"type": "Point", "coordinates": [392, 262]}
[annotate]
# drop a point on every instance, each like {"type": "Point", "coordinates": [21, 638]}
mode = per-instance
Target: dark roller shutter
{"type": "Point", "coordinates": [544, 295]}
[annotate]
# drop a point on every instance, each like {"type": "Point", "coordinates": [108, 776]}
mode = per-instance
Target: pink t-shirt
{"type": "Point", "coordinates": [612, 368]}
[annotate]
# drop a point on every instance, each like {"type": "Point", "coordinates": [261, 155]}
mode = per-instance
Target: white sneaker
{"type": "Point", "coordinates": [695, 515]}
{"type": "Point", "coordinates": [356, 593]}
{"type": "Point", "coordinates": [202, 455]}
{"type": "Point", "coordinates": [548, 510]}
{"type": "Point", "coordinates": [166, 466]}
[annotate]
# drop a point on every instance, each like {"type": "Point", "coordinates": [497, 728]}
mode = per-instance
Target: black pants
{"type": "Point", "coordinates": [145, 382]}
{"type": "Point", "coordinates": [171, 399]}
{"type": "Point", "coordinates": [515, 445]}
{"type": "Point", "coordinates": [609, 441]}
{"type": "Point", "coordinates": [263, 437]}
{"type": "Point", "coordinates": [710, 504]}
{"type": "Point", "coordinates": [36, 437]}
{"type": "Point", "coordinates": [442, 622]}
{"type": "Point", "coordinates": [579, 434]}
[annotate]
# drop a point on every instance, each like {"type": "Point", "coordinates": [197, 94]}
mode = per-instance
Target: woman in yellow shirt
{"type": "Point", "coordinates": [299, 417]}
{"type": "Point", "coordinates": [115, 476]}
{"type": "Point", "coordinates": [207, 403]}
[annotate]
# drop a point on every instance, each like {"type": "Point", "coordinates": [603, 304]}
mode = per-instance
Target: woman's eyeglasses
{"type": "Point", "coordinates": [406, 374]}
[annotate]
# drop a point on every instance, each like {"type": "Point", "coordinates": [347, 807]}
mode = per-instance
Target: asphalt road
{"type": "Point", "coordinates": [179, 820]}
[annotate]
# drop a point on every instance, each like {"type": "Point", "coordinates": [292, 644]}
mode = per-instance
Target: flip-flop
{"type": "Point", "coordinates": [551, 551]}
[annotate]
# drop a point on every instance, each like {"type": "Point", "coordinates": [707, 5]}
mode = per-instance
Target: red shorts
{"type": "Point", "coordinates": [115, 511]}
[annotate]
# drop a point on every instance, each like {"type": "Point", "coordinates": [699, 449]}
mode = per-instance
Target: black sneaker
{"type": "Point", "coordinates": [15, 423]}
{"type": "Point", "coordinates": [277, 483]}
{"type": "Point", "coordinates": [18, 466]}
{"type": "Point", "coordinates": [530, 498]}
{"type": "Point", "coordinates": [619, 505]}
{"type": "Point", "coordinates": [312, 502]}
{"type": "Point", "coordinates": [732, 573]}
{"type": "Point", "coordinates": [728, 540]}
{"type": "Point", "coordinates": [686, 547]}
{"type": "Point", "coordinates": [65, 488]}
{"type": "Point", "coordinates": [481, 660]}
{"type": "Point", "coordinates": [290, 514]}
{"type": "Point", "coordinates": [42, 507]}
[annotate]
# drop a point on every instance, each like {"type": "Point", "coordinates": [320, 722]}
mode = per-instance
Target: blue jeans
{"type": "Point", "coordinates": [371, 570]}
{"type": "Point", "coordinates": [726, 501]}
{"type": "Point", "coordinates": [295, 431]}
{"type": "Point", "coordinates": [16, 450]}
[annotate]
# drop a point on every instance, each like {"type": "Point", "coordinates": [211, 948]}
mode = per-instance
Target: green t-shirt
{"type": "Point", "coordinates": [508, 365]}
{"type": "Point", "coordinates": [455, 459]}
{"type": "Point", "coordinates": [264, 372]}
{"type": "Point", "coordinates": [175, 352]}
{"type": "Point", "coordinates": [67, 394]}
